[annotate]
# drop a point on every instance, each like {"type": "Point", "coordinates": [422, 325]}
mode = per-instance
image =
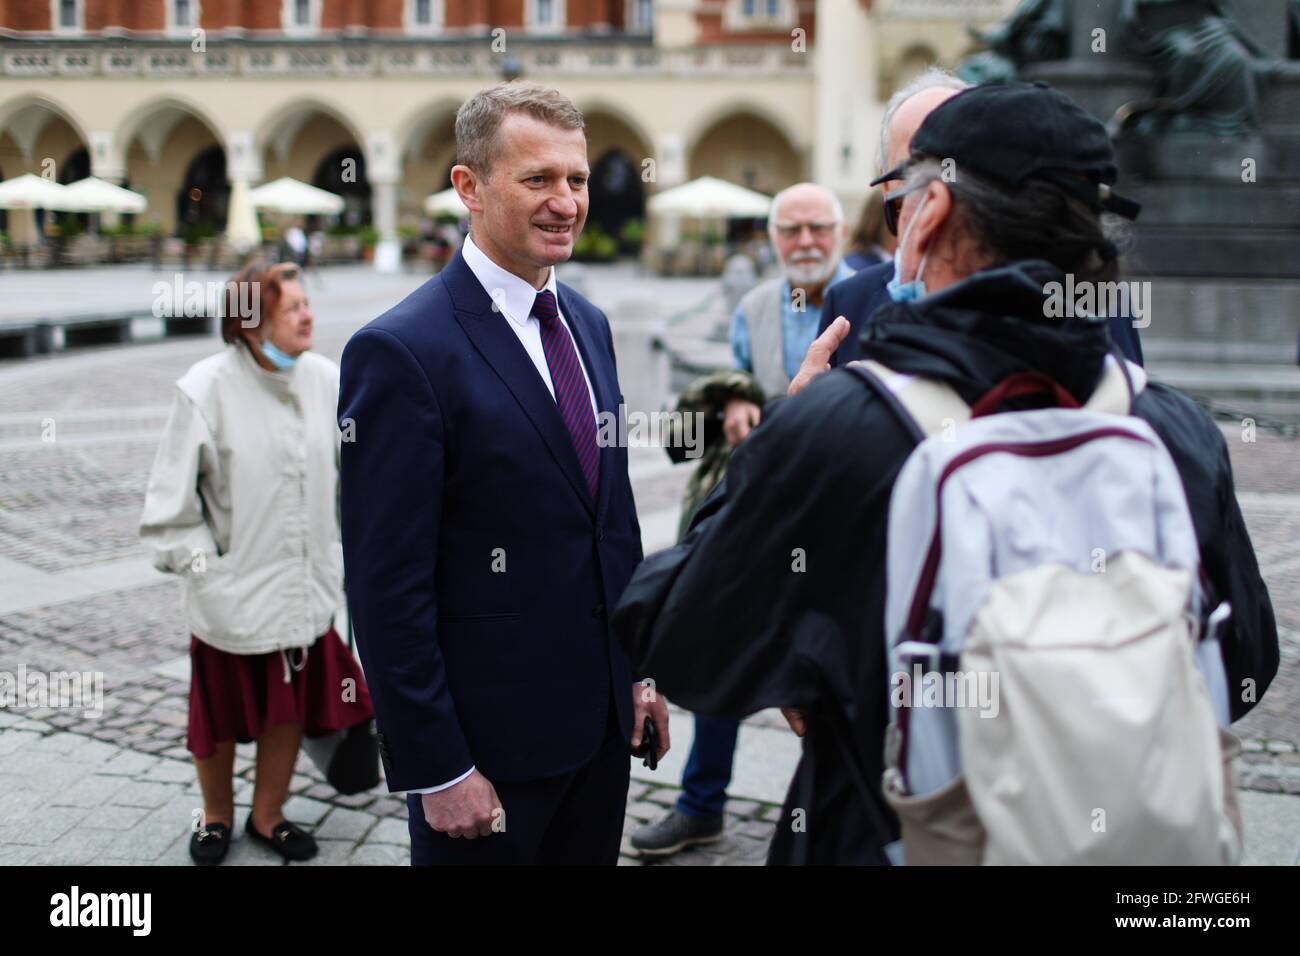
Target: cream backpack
{"type": "Point", "coordinates": [1057, 694]}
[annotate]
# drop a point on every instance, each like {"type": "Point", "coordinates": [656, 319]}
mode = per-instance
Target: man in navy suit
{"type": "Point", "coordinates": [857, 298]}
{"type": "Point", "coordinates": [486, 531]}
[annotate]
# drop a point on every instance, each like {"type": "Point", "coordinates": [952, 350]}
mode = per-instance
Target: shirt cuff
{"type": "Point", "coordinates": [444, 786]}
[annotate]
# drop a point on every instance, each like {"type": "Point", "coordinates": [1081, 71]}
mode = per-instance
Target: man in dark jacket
{"type": "Point", "coordinates": [777, 599]}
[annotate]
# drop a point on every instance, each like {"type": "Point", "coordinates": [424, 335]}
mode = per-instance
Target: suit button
{"type": "Point", "coordinates": [598, 611]}
{"type": "Point", "coordinates": [600, 534]}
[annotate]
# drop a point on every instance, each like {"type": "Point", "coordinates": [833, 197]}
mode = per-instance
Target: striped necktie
{"type": "Point", "coordinates": [570, 386]}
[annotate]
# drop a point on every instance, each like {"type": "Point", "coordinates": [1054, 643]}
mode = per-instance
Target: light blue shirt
{"type": "Point", "coordinates": [798, 328]}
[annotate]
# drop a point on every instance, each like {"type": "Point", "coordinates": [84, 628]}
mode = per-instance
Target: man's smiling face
{"type": "Point", "coordinates": [532, 204]}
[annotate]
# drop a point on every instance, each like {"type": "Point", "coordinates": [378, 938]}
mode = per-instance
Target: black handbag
{"type": "Point", "coordinates": [349, 758]}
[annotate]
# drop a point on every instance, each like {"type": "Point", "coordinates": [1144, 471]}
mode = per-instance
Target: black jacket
{"type": "Point", "coordinates": [727, 624]}
{"type": "Point", "coordinates": [858, 297]}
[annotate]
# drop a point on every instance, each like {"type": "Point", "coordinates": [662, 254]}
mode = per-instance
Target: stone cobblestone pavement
{"type": "Point", "coordinates": [76, 594]}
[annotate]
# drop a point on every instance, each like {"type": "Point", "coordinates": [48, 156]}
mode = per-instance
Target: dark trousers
{"type": "Point", "coordinates": [708, 768]}
{"type": "Point", "coordinates": [574, 819]}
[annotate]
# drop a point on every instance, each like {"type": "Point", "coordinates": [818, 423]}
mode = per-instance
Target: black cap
{"type": "Point", "coordinates": [1012, 132]}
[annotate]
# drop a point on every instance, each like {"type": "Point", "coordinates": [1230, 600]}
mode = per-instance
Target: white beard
{"type": "Point", "coordinates": [809, 273]}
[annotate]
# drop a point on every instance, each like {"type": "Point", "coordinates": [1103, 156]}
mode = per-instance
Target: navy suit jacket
{"type": "Point", "coordinates": [479, 571]}
{"type": "Point", "coordinates": [858, 297]}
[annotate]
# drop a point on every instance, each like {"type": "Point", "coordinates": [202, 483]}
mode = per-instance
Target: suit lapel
{"type": "Point", "coordinates": [585, 335]}
{"type": "Point", "coordinates": [501, 349]}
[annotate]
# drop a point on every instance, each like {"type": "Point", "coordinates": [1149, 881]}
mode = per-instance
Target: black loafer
{"type": "Point", "coordinates": [287, 839]}
{"type": "Point", "coordinates": [208, 845]}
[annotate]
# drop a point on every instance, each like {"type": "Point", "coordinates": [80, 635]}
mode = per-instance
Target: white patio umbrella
{"type": "Point", "coordinates": [36, 192]}
{"type": "Point", "coordinates": [242, 230]}
{"type": "Point", "coordinates": [445, 203]}
{"type": "Point", "coordinates": [291, 196]}
{"type": "Point", "coordinates": [710, 198]}
{"type": "Point", "coordinates": [99, 195]}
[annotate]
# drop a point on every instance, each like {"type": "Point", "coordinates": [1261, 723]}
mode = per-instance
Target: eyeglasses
{"type": "Point", "coordinates": [792, 230]}
{"type": "Point", "coordinates": [894, 205]}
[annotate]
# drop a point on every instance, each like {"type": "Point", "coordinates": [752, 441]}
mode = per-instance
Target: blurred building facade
{"type": "Point", "coordinates": [182, 99]}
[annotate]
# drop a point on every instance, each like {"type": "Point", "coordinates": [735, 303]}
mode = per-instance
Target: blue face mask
{"type": "Point", "coordinates": [901, 291]}
{"type": "Point", "coordinates": [276, 357]}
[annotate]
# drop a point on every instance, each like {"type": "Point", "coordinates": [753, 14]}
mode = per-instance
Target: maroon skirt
{"type": "Point", "coordinates": [237, 696]}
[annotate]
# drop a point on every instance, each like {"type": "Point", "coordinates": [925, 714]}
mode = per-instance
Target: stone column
{"type": "Point", "coordinates": [384, 170]}
{"type": "Point", "coordinates": [388, 254]}
{"type": "Point", "coordinates": [106, 164]}
{"type": "Point", "coordinates": [243, 169]}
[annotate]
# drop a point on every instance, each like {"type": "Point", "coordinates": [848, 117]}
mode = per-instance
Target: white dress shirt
{"type": "Point", "coordinates": [513, 297]}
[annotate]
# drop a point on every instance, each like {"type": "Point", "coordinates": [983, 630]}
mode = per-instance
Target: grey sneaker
{"type": "Point", "coordinates": [675, 832]}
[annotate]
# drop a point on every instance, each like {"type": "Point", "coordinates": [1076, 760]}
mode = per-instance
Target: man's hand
{"type": "Point", "coordinates": [797, 720]}
{"type": "Point", "coordinates": [466, 810]}
{"type": "Point", "coordinates": [739, 418]}
{"type": "Point", "coordinates": [646, 702]}
{"type": "Point", "coordinates": [818, 360]}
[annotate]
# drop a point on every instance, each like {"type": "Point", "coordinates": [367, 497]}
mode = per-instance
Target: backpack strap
{"type": "Point", "coordinates": [1119, 386]}
{"type": "Point", "coordinates": [925, 405]}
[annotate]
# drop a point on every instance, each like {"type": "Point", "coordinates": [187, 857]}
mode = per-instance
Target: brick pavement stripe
{"type": "Point", "coordinates": [742, 808]}
{"type": "Point", "coordinates": [144, 794]}
{"type": "Point", "coordinates": [304, 810]}
{"type": "Point", "coordinates": [148, 842]}
{"type": "Point", "coordinates": [757, 829]}
{"type": "Point", "coordinates": [380, 854]}
{"type": "Point", "coordinates": [49, 771]}
{"type": "Point", "coordinates": [356, 801]}
{"type": "Point", "coordinates": [79, 847]}
{"type": "Point", "coordinates": [13, 740]}
{"type": "Point", "coordinates": [664, 796]}
{"type": "Point", "coordinates": [329, 853]}
{"type": "Point", "coordinates": [637, 791]}
{"type": "Point", "coordinates": [129, 764]}
{"type": "Point", "coordinates": [642, 810]}
{"type": "Point", "coordinates": [345, 824]}
{"type": "Point", "coordinates": [396, 832]}
{"type": "Point", "coordinates": [14, 854]}
{"type": "Point", "coordinates": [89, 791]}
{"type": "Point", "coordinates": [386, 807]}
{"type": "Point", "coordinates": [18, 802]}
{"type": "Point", "coordinates": [170, 771]}
{"type": "Point", "coordinates": [117, 818]}
{"type": "Point", "coordinates": [42, 828]}
{"type": "Point", "coordinates": [244, 852]}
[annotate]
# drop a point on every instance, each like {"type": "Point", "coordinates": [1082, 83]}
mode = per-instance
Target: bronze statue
{"type": "Point", "coordinates": [1208, 71]}
{"type": "Point", "coordinates": [1037, 31]}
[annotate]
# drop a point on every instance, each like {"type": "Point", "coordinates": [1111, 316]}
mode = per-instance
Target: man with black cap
{"type": "Point", "coordinates": [858, 298]}
{"type": "Point", "coordinates": [773, 600]}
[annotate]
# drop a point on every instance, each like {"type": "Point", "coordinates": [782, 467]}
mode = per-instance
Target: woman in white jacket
{"type": "Point", "coordinates": [243, 504]}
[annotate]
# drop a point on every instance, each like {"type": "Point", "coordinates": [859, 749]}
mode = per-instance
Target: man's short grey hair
{"type": "Point", "coordinates": [836, 206]}
{"type": "Point", "coordinates": [933, 78]}
{"type": "Point", "coordinates": [479, 118]}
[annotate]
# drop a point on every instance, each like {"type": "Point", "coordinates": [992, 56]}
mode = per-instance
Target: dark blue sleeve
{"type": "Point", "coordinates": [391, 472]}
